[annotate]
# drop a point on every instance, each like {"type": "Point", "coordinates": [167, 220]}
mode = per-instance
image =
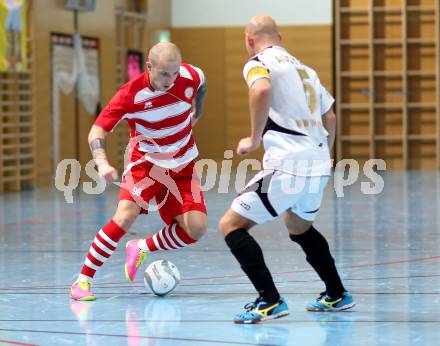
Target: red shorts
{"type": "Point", "coordinates": [176, 191]}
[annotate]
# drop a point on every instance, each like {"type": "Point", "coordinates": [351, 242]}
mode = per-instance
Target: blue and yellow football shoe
{"type": "Point", "coordinates": [259, 311]}
{"type": "Point", "coordinates": [326, 303]}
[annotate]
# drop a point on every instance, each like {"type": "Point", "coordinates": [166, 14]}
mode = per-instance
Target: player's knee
{"type": "Point", "coordinates": [126, 214]}
{"type": "Point", "coordinates": [232, 221]}
{"type": "Point", "coordinates": [196, 229]}
{"type": "Point", "coordinates": [295, 225]}
{"type": "Point", "coordinates": [125, 219]}
{"type": "Point", "coordinates": [124, 222]}
{"type": "Point", "coordinates": [225, 225]}
{"type": "Point", "coordinates": [296, 231]}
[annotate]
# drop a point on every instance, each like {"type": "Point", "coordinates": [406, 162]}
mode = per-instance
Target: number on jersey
{"type": "Point", "coordinates": [309, 90]}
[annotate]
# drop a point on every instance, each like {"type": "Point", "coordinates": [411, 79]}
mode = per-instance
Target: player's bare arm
{"type": "Point", "coordinates": [329, 122]}
{"type": "Point", "coordinates": [259, 103]}
{"type": "Point", "coordinates": [97, 146]}
{"type": "Point", "coordinates": [199, 102]}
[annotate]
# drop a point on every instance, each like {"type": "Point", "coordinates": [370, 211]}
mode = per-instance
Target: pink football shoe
{"type": "Point", "coordinates": [80, 290]}
{"type": "Point", "coordinates": [134, 258]}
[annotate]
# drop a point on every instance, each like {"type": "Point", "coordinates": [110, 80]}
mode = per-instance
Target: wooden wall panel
{"type": "Point", "coordinates": [355, 58]}
{"type": "Point", "coordinates": [99, 24]}
{"type": "Point", "coordinates": [422, 121]}
{"type": "Point", "coordinates": [66, 133]}
{"type": "Point", "coordinates": [422, 89]}
{"type": "Point", "coordinates": [356, 124]}
{"type": "Point", "coordinates": [60, 21]}
{"type": "Point", "coordinates": [17, 134]}
{"type": "Point", "coordinates": [357, 150]}
{"type": "Point", "coordinates": [388, 3]}
{"type": "Point", "coordinates": [158, 17]}
{"type": "Point", "coordinates": [388, 90]}
{"type": "Point", "coordinates": [392, 153]}
{"type": "Point", "coordinates": [238, 123]}
{"type": "Point", "coordinates": [353, 3]}
{"type": "Point", "coordinates": [422, 154]}
{"type": "Point", "coordinates": [420, 57]}
{"type": "Point", "coordinates": [388, 58]}
{"type": "Point", "coordinates": [389, 122]}
{"type": "Point", "coordinates": [354, 26]}
{"type": "Point", "coordinates": [388, 84]}
{"type": "Point", "coordinates": [421, 2]}
{"type": "Point", "coordinates": [355, 90]}
{"type": "Point", "coordinates": [421, 25]}
{"type": "Point", "coordinates": [388, 25]}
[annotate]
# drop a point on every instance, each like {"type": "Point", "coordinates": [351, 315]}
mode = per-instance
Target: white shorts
{"type": "Point", "coordinates": [270, 193]}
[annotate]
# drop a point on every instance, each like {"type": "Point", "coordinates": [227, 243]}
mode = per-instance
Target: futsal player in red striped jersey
{"type": "Point", "coordinates": [161, 106]}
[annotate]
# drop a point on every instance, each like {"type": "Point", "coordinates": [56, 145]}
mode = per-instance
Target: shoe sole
{"type": "Point", "coordinates": [342, 308]}
{"type": "Point", "coordinates": [84, 299]}
{"type": "Point", "coordinates": [126, 275]}
{"type": "Point", "coordinates": [272, 317]}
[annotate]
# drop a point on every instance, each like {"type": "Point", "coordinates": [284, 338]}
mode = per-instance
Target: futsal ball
{"type": "Point", "coordinates": [162, 277]}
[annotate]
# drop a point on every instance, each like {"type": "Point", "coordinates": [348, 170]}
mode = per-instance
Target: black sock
{"type": "Point", "coordinates": [318, 255]}
{"type": "Point", "coordinates": [248, 253]}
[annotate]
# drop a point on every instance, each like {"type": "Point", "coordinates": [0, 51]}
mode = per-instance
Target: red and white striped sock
{"type": "Point", "coordinates": [104, 244]}
{"type": "Point", "coordinates": [170, 237]}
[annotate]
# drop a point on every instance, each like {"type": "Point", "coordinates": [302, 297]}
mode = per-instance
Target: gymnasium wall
{"type": "Point", "coordinates": [214, 13]}
{"type": "Point", "coordinates": [211, 36]}
{"type": "Point", "coordinates": [49, 16]}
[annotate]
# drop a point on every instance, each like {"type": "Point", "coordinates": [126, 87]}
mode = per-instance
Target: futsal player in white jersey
{"type": "Point", "coordinates": [291, 113]}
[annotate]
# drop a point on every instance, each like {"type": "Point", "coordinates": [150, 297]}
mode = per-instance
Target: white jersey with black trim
{"type": "Point", "coordinates": [295, 140]}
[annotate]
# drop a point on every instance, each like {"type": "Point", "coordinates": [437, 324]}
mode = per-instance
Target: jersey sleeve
{"type": "Point", "coordinates": [326, 99]}
{"type": "Point", "coordinates": [254, 70]}
{"type": "Point", "coordinates": [200, 74]}
{"type": "Point", "coordinates": [114, 111]}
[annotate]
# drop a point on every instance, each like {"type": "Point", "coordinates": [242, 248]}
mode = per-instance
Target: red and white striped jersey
{"type": "Point", "coordinates": [160, 121]}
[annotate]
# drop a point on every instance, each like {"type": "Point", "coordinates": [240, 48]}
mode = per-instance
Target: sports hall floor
{"type": "Point", "coordinates": [386, 246]}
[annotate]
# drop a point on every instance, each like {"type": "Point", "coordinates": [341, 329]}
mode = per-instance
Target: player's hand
{"type": "Point", "coordinates": [247, 145]}
{"type": "Point", "coordinates": [108, 172]}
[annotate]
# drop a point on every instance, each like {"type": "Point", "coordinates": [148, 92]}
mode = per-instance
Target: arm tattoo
{"type": "Point", "coordinates": [200, 100]}
{"type": "Point", "coordinates": [97, 143]}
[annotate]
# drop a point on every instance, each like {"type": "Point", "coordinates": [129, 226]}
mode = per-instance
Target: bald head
{"type": "Point", "coordinates": [164, 53]}
{"type": "Point", "coordinates": [163, 65]}
{"type": "Point", "coordinates": [262, 26]}
{"type": "Point", "coordinates": [261, 32]}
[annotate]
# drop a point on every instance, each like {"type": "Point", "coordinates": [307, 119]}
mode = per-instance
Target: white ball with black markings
{"type": "Point", "coordinates": [162, 277]}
